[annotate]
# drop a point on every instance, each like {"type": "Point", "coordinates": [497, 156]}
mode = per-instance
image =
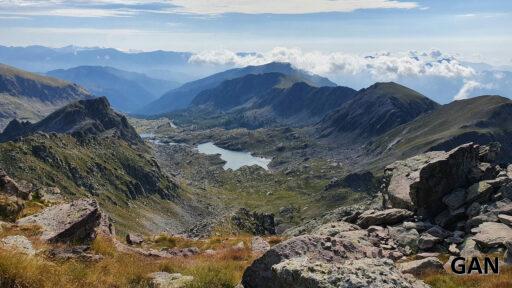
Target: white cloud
{"type": "Point", "coordinates": [468, 87]}
{"type": "Point", "coordinates": [381, 66]}
{"type": "Point", "coordinates": [285, 6]}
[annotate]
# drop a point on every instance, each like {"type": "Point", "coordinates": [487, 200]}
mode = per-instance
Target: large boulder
{"type": "Point", "coordinates": [9, 187]}
{"type": "Point", "coordinates": [384, 217]}
{"type": "Point", "coordinates": [492, 235]}
{"type": "Point", "coordinates": [168, 280]}
{"type": "Point", "coordinates": [420, 183]}
{"type": "Point", "coordinates": [419, 267]}
{"type": "Point", "coordinates": [323, 261]}
{"type": "Point", "coordinates": [366, 272]}
{"type": "Point", "coordinates": [80, 220]}
{"type": "Point", "coordinates": [19, 244]}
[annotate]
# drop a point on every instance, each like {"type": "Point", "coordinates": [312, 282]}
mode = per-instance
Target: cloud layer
{"type": "Point", "coordinates": [285, 6]}
{"type": "Point", "coordinates": [115, 8]}
{"type": "Point", "coordinates": [380, 66]}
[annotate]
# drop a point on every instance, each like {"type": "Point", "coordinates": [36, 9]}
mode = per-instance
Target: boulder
{"type": "Point", "coordinates": [420, 183]}
{"type": "Point", "coordinates": [508, 253]}
{"type": "Point", "coordinates": [367, 272]}
{"type": "Point", "coordinates": [469, 248]}
{"type": "Point", "coordinates": [324, 261]}
{"type": "Point", "coordinates": [427, 241]}
{"type": "Point", "coordinates": [71, 222]}
{"type": "Point", "coordinates": [405, 237]}
{"type": "Point", "coordinates": [492, 235]}
{"type": "Point", "coordinates": [505, 219]}
{"type": "Point", "coordinates": [334, 228]}
{"type": "Point", "coordinates": [419, 267]}
{"type": "Point", "coordinates": [259, 245]}
{"type": "Point", "coordinates": [9, 187]}
{"type": "Point", "coordinates": [453, 249]}
{"type": "Point", "coordinates": [10, 207]}
{"type": "Point", "coordinates": [134, 239]}
{"type": "Point", "coordinates": [168, 280]}
{"type": "Point", "coordinates": [80, 252]}
{"type": "Point", "coordinates": [384, 217]}
{"type": "Point", "coordinates": [455, 199]}
{"type": "Point", "coordinates": [19, 244]}
{"type": "Point", "coordinates": [483, 190]}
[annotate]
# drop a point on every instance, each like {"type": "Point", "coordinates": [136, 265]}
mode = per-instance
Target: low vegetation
{"type": "Point", "coordinates": [221, 269]}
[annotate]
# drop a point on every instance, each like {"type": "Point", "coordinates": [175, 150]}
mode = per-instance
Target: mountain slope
{"type": "Point", "coordinates": [242, 91]}
{"type": "Point", "coordinates": [127, 91]}
{"type": "Point", "coordinates": [83, 118]}
{"type": "Point", "coordinates": [181, 97]}
{"type": "Point", "coordinates": [374, 111]}
{"type": "Point", "coordinates": [92, 151]}
{"type": "Point", "coordinates": [481, 120]}
{"type": "Point", "coordinates": [29, 96]}
{"type": "Point", "coordinates": [303, 103]}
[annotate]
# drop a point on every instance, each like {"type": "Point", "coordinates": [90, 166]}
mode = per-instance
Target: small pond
{"type": "Point", "coordinates": [234, 159]}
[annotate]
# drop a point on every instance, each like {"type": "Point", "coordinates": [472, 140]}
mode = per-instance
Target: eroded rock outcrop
{"type": "Point", "coordinates": [80, 220]}
{"type": "Point", "coordinates": [324, 261]}
{"type": "Point", "coordinates": [420, 183]}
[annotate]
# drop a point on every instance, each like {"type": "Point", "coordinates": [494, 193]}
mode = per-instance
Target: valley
{"type": "Point", "coordinates": [255, 174]}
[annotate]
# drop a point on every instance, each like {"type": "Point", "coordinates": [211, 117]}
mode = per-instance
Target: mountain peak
{"type": "Point", "coordinates": [84, 118]}
{"type": "Point", "coordinates": [376, 110]}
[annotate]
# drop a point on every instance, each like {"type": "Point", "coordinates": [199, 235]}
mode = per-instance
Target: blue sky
{"type": "Point", "coordinates": [472, 30]}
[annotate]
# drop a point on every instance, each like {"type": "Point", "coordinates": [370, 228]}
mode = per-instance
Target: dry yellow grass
{"type": "Point", "coordinates": [222, 269]}
{"type": "Point", "coordinates": [449, 280]}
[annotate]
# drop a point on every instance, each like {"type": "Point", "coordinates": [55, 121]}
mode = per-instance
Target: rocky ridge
{"type": "Point", "coordinates": [471, 218]}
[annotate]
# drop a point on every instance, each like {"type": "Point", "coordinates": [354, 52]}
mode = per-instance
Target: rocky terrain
{"type": "Point", "coordinates": [90, 196]}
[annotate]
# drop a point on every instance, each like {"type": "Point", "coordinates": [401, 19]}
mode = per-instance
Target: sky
{"type": "Point", "coordinates": [471, 30]}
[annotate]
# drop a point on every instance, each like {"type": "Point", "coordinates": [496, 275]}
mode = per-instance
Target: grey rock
{"type": "Point", "coordinates": [168, 280]}
{"type": "Point", "coordinates": [469, 248]}
{"type": "Point", "coordinates": [334, 228]}
{"type": "Point", "coordinates": [260, 274]}
{"type": "Point", "coordinates": [453, 249]}
{"type": "Point", "coordinates": [80, 252]}
{"type": "Point", "coordinates": [427, 255]}
{"type": "Point", "coordinates": [428, 241]}
{"type": "Point", "coordinates": [420, 183]}
{"type": "Point", "coordinates": [405, 237]}
{"type": "Point", "coordinates": [303, 273]}
{"type": "Point", "coordinates": [508, 253]}
{"type": "Point", "coordinates": [19, 244]}
{"type": "Point", "coordinates": [473, 209]}
{"type": "Point", "coordinates": [455, 199]}
{"type": "Point", "coordinates": [70, 222]}
{"type": "Point", "coordinates": [491, 234]}
{"type": "Point", "coordinates": [259, 245]}
{"type": "Point", "coordinates": [438, 232]}
{"type": "Point", "coordinates": [384, 217]}
{"type": "Point", "coordinates": [505, 219]}
{"type": "Point", "coordinates": [482, 218]}
{"type": "Point", "coordinates": [134, 239]}
{"type": "Point", "coordinates": [419, 267]}
{"type": "Point", "coordinates": [483, 190]}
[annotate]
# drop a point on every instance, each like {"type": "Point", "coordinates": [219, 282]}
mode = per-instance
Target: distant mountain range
{"type": "Point", "coordinates": [182, 97]}
{"type": "Point", "coordinates": [127, 91]}
{"type": "Point", "coordinates": [257, 100]}
{"type": "Point", "coordinates": [29, 96]}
